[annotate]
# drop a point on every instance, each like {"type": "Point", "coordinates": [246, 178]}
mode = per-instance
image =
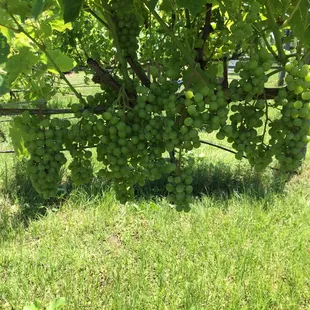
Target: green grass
{"type": "Point", "coordinates": [244, 244]}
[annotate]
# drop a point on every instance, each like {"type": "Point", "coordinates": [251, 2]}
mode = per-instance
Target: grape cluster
{"type": "Point", "coordinates": [243, 133]}
{"type": "Point", "coordinates": [83, 135]}
{"type": "Point", "coordinates": [291, 132]}
{"type": "Point", "coordinates": [131, 144]}
{"type": "Point", "coordinates": [127, 25]}
{"type": "Point", "coordinates": [252, 76]}
{"type": "Point", "coordinates": [180, 189]}
{"type": "Point", "coordinates": [44, 142]}
{"type": "Point", "coordinates": [297, 78]}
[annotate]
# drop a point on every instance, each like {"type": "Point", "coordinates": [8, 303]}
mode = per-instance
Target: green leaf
{"type": "Point", "coordinates": [20, 63]}
{"type": "Point", "coordinates": [193, 6]}
{"type": "Point", "coordinates": [300, 22]}
{"type": "Point", "coordinates": [141, 10]}
{"type": "Point", "coordinates": [38, 8]}
{"type": "Point", "coordinates": [57, 304]}
{"type": "Point", "coordinates": [62, 61]}
{"type": "Point", "coordinates": [167, 6]}
{"type": "Point", "coordinates": [213, 70]}
{"type": "Point", "coordinates": [3, 87]}
{"type": "Point", "coordinates": [4, 48]}
{"type": "Point", "coordinates": [72, 9]}
{"type": "Point", "coordinates": [60, 25]}
{"type": "Point", "coordinates": [5, 19]}
{"type": "Point", "coordinates": [31, 307]}
{"type": "Point", "coordinates": [153, 3]}
{"type": "Point", "coordinates": [17, 136]}
{"type": "Point", "coordinates": [19, 7]}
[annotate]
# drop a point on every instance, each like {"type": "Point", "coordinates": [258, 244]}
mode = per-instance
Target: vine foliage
{"type": "Point", "coordinates": [137, 51]}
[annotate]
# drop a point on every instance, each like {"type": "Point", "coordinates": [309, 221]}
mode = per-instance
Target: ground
{"type": "Point", "coordinates": [244, 245]}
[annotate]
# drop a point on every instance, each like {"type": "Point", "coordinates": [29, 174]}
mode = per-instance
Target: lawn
{"type": "Point", "coordinates": [245, 244]}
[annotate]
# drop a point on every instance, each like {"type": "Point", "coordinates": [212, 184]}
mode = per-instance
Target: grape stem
{"type": "Point", "coordinates": [268, 45]}
{"type": "Point", "coordinates": [11, 28]}
{"type": "Point", "coordinates": [267, 118]}
{"type": "Point", "coordinates": [276, 32]}
{"type": "Point", "coordinates": [214, 49]}
{"type": "Point", "coordinates": [179, 163]}
{"type": "Point", "coordinates": [188, 19]}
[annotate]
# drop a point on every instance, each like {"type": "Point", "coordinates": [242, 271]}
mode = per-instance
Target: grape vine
{"type": "Point", "coordinates": [141, 114]}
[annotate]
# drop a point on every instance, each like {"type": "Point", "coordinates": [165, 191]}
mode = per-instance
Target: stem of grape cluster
{"type": "Point", "coordinates": [179, 162]}
{"type": "Point", "coordinates": [276, 32]}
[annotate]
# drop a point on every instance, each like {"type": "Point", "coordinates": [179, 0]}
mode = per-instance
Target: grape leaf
{"type": "Point", "coordinates": [3, 88]}
{"type": "Point", "coordinates": [38, 8]}
{"type": "Point", "coordinates": [19, 7]}
{"type": "Point", "coordinates": [4, 48]}
{"type": "Point", "coordinates": [60, 25]}
{"type": "Point", "coordinates": [5, 19]}
{"type": "Point", "coordinates": [20, 63]}
{"type": "Point", "coordinates": [166, 6]}
{"type": "Point", "coordinates": [300, 22]}
{"type": "Point", "coordinates": [193, 6]}
{"type": "Point", "coordinates": [62, 61]}
{"type": "Point", "coordinates": [16, 134]}
{"type": "Point", "coordinates": [72, 9]}
{"type": "Point", "coordinates": [153, 3]}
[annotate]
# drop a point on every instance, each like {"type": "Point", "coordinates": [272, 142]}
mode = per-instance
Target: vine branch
{"type": "Point", "coordinates": [102, 76]}
{"type": "Point", "coordinates": [206, 31]}
{"type": "Point", "coordinates": [138, 69]}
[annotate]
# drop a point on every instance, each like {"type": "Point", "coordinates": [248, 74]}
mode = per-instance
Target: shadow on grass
{"type": "Point", "coordinates": [18, 188]}
{"type": "Point", "coordinates": [219, 181]}
{"type": "Point", "coordinates": [20, 192]}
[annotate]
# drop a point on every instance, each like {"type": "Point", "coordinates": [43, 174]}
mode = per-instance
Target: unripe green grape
{"type": "Point", "coordinates": [306, 95]}
{"type": "Point", "coordinates": [189, 94]}
{"type": "Point", "coordinates": [298, 90]}
{"type": "Point", "coordinates": [188, 122]}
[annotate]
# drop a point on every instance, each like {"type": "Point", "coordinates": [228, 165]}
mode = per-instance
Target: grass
{"type": "Point", "coordinates": [244, 244]}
